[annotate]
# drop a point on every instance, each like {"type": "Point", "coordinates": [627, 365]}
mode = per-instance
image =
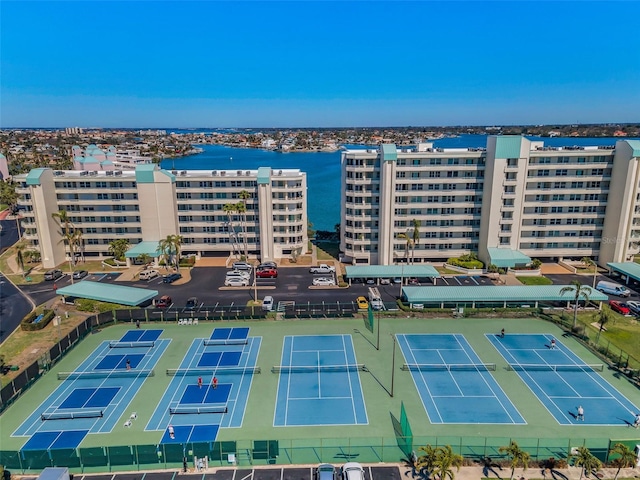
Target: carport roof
{"type": "Point", "coordinates": [391, 271]}
{"type": "Point", "coordinates": [149, 248]}
{"type": "Point", "coordinates": [507, 257]}
{"type": "Point", "coordinates": [630, 269]}
{"type": "Point", "coordinates": [106, 292]}
{"type": "Point", "coordinates": [494, 294]}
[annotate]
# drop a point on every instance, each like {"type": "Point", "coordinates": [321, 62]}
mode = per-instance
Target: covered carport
{"type": "Point", "coordinates": [507, 257]}
{"type": "Point", "coordinates": [526, 296]}
{"type": "Point", "coordinates": [378, 272]}
{"type": "Point", "coordinates": [628, 270]}
{"type": "Point", "coordinates": [151, 249]}
{"type": "Point", "coordinates": [106, 292]}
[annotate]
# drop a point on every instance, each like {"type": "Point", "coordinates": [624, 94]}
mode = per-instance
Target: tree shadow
{"type": "Point", "coordinates": [489, 467]}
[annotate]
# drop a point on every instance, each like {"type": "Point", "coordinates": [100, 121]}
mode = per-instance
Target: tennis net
{"type": "Point", "coordinates": [71, 414]}
{"type": "Point", "coordinates": [143, 344]}
{"type": "Point", "coordinates": [183, 409]}
{"type": "Point", "coordinates": [133, 373]}
{"type": "Point", "coordinates": [172, 372]}
{"type": "Point", "coordinates": [238, 341]}
{"type": "Point", "coordinates": [442, 367]}
{"type": "Point", "coordinates": [318, 368]}
{"type": "Point", "coordinates": [527, 367]}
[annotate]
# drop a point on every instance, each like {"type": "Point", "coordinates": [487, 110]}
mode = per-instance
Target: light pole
{"type": "Point", "coordinates": [255, 284]}
{"type": "Point", "coordinates": [393, 362]}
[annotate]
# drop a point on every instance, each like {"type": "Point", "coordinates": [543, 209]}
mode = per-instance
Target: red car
{"type": "Point", "coordinates": [619, 307]}
{"type": "Point", "coordinates": [267, 273]}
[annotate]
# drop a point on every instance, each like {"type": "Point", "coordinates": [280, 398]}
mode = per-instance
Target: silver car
{"type": "Point", "coordinates": [325, 471]}
{"type": "Point", "coordinates": [352, 471]}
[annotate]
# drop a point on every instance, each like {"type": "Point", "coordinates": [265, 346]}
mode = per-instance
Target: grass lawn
{"type": "Point", "coordinates": [535, 280]}
{"type": "Point", "coordinates": [447, 271]}
{"type": "Point", "coordinates": [327, 250]}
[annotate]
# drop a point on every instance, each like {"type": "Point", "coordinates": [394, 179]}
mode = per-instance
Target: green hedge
{"type": "Point", "coordinates": [465, 263]}
{"type": "Point", "coordinates": [27, 322]}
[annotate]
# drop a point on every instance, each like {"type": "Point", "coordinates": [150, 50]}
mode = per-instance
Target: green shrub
{"type": "Point", "coordinates": [95, 306]}
{"type": "Point", "coordinates": [459, 262]}
{"type": "Point", "coordinates": [27, 322]}
{"type": "Point", "coordinates": [188, 261]}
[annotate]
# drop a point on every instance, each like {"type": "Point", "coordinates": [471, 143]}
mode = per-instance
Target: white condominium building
{"type": "Point", "coordinates": [147, 204]}
{"type": "Point", "coordinates": [429, 204]}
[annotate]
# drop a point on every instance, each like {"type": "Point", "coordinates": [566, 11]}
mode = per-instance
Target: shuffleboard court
{"type": "Point", "coordinates": [453, 383]}
{"type": "Point", "coordinates": [562, 381]}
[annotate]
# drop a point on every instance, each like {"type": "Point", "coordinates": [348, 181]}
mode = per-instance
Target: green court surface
{"type": "Point", "coordinates": [542, 435]}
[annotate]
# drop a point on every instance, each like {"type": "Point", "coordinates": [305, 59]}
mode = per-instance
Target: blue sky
{"type": "Point", "coordinates": [306, 63]}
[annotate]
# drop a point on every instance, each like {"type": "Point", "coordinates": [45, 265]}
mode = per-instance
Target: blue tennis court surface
{"type": "Point", "coordinates": [455, 396]}
{"type": "Point", "coordinates": [93, 403]}
{"type": "Point", "coordinates": [573, 384]}
{"type": "Point", "coordinates": [55, 439]}
{"type": "Point", "coordinates": [141, 336]}
{"type": "Point", "coordinates": [198, 411]}
{"type": "Point", "coordinates": [228, 336]}
{"type": "Point", "coordinates": [319, 397]}
{"type": "Point", "coordinates": [114, 362]}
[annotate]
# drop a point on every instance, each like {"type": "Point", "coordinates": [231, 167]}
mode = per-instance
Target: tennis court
{"type": "Point", "coordinates": [319, 382]}
{"type": "Point", "coordinates": [562, 381]}
{"type": "Point", "coordinates": [193, 404]}
{"type": "Point", "coordinates": [92, 398]}
{"type": "Point", "coordinates": [453, 383]}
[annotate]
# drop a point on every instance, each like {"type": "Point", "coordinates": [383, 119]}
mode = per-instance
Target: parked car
{"type": "Point", "coordinates": [236, 282]}
{"type": "Point", "coordinates": [148, 274]}
{"type": "Point", "coordinates": [325, 471]}
{"type": "Point", "coordinates": [53, 275]}
{"type": "Point", "coordinates": [611, 288]}
{"type": "Point", "coordinates": [80, 274]}
{"type": "Point", "coordinates": [267, 273]}
{"type": "Point", "coordinates": [172, 277]}
{"type": "Point", "coordinates": [619, 307]}
{"type": "Point", "coordinates": [238, 274]}
{"type": "Point", "coordinates": [323, 281]}
{"type": "Point", "coordinates": [267, 303]}
{"type": "Point", "coordinates": [164, 302]}
{"type": "Point", "coordinates": [352, 471]}
{"type": "Point", "coordinates": [362, 303]}
{"type": "Point", "coordinates": [268, 265]}
{"type": "Point", "coordinates": [322, 268]}
{"type": "Point", "coordinates": [385, 281]}
{"type": "Point", "coordinates": [192, 303]}
{"type": "Point", "coordinates": [397, 280]}
{"type": "Point", "coordinates": [634, 307]}
{"type": "Point", "coordinates": [242, 266]}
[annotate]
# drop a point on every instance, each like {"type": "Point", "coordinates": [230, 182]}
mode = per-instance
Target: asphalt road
{"type": "Point", "coordinates": [13, 307]}
{"type": "Point", "coordinates": [8, 234]}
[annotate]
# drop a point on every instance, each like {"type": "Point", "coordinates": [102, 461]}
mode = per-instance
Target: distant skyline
{"type": "Point", "coordinates": [208, 64]}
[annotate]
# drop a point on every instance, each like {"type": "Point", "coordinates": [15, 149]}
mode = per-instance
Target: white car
{"type": "Point", "coordinates": [267, 303]}
{"type": "Point", "coordinates": [236, 282]}
{"type": "Point", "coordinates": [352, 471]}
{"type": "Point", "coordinates": [323, 281]}
{"type": "Point", "coordinates": [238, 274]}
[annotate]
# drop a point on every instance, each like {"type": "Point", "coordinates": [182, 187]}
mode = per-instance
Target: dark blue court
{"type": "Point", "coordinates": [119, 362]}
{"type": "Point", "coordinates": [141, 336]}
{"type": "Point", "coordinates": [228, 336]}
{"type": "Point", "coordinates": [196, 395]}
{"type": "Point", "coordinates": [90, 397]}
{"type": "Point", "coordinates": [219, 359]}
{"type": "Point", "coordinates": [55, 439]}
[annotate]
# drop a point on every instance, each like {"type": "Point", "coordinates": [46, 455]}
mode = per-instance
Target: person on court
{"type": "Point", "coordinates": [214, 382]}
{"type": "Point", "coordinates": [128, 364]}
{"type": "Point", "coordinates": [580, 413]}
{"type": "Point", "coordinates": [502, 333]}
{"type": "Point", "coordinates": [552, 346]}
{"type": "Point", "coordinates": [200, 382]}
{"type": "Point", "coordinates": [636, 422]}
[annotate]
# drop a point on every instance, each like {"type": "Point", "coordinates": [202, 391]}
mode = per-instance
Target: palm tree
{"type": "Point", "coordinates": [144, 258]}
{"type": "Point", "coordinates": [446, 460]}
{"type": "Point", "coordinates": [586, 460]}
{"type": "Point", "coordinates": [578, 290]}
{"type": "Point", "coordinates": [427, 461]}
{"type": "Point", "coordinates": [165, 246]}
{"type": "Point", "coordinates": [603, 317]}
{"type": "Point", "coordinates": [407, 237]}
{"type": "Point", "coordinates": [118, 247]}
{"type": "Point", "coordinates": [590, 263]}
{"type": "Point", "coordinates": [244, 196]}
{"type": "Point", "coordinates": [415, 238]}
{"type": "Point", "coordinates": [517, 455]}
{"type": "Point", "coordinates": [20, 253]}
{"type": "Point", "coordinates": [241, 208]}
{"type": "Point", "coordinates": [229, 209]}
{"type": "Point", "coordinates": [70, 235]}
{"type": "Point", "coordinates": [63, 220]}
{"type": "Point", "coordinates": [626, 459]}
{"type": "Point", "coordinates": [176, 247]}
